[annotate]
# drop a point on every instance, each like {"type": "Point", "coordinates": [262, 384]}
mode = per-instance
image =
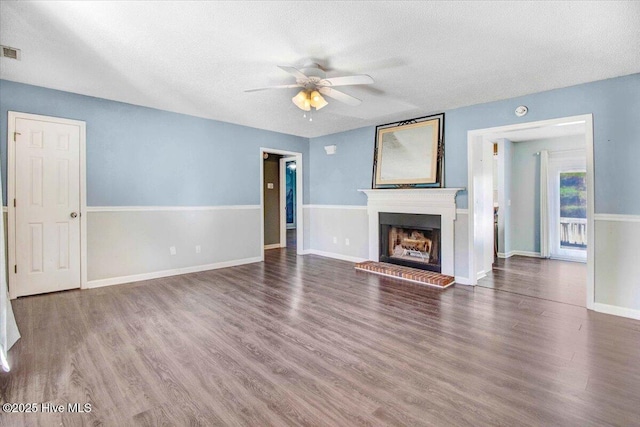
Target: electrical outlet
{"type": "Point", "coordinates": [198, 250]}
{"type": "Point", "coordinates": [269, 185]}
{"type": "Point", "coordinates": [335, 240]}
{"type": "Point", "coordinates": [172, 250]}
{"type": "Point", "coordinates": [346, 242]}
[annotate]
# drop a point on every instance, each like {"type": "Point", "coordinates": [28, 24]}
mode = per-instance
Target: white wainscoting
{"type": "Point", "coordinates": [342, 222]}
{"type": "Point", "coordinates": [166, 273]}
{"type": "Point", "coordinates": [131, 243]}
{"type": "Point", "coordinates": [617, 264]}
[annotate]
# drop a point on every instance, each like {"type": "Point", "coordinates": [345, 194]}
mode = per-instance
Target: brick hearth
{"type": "Point", "coordinates": [407, 273]}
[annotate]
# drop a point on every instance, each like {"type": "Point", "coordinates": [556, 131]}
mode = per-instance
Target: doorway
{"type": "Point", "coordinates": [292, 237]}
{"type": "Point", "coordinates": [46, 204]}
{"type": "Point", "coordinates": [483, 198]}
{"type": "Point", "coordinates": [288, 211]}
{"type": "Point", "coordinates": [567, 206]}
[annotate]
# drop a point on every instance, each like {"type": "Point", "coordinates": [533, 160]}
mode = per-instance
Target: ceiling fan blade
{"type": "Point", "coordinates": [361, 79]}
{"type": "Point", "coordinates": [272, 87]}
{"type": "Point", "coordinates": [293, 71]}
{"type": "Point", "coordinates": [340, 96]}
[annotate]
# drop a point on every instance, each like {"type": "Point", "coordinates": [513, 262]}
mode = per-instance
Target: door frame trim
{"type": "Point", "coordinates": [475, 137]}
{"type": "Point", "coordinates": [299, 196]}
{"type": "Point", "coordinates": [11, 193]}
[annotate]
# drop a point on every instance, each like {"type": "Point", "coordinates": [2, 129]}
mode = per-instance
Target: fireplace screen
{"type": "Point", "coordinates": [412, 240]}
{"type": "Point", "coordinates": [410, 245]}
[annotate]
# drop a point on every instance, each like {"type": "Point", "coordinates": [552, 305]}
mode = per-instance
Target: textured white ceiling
{"type": "Point", "coordinates": [198, 57]}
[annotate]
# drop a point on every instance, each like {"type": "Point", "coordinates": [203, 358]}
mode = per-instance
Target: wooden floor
{"type": "Point", "coordinates": [311, 341]}
{"type": "Point", "coordinates": [561, 281]}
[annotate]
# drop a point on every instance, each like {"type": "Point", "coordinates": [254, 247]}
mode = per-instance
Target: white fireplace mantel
{"type": "Point", "coordinates": [429, 201]}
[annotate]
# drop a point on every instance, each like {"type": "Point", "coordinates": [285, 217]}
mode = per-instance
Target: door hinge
{"type": "Point", "coordinates": [14, 203]}
{"type": "Point", "coordinates": [15, 135]}
{"type": "Point", "coordinates": [15, 269]}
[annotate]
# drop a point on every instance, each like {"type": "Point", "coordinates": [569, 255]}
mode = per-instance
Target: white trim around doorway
{"type": "Point", "coordinates": [475, 138]}
{"type": "Point", "coordinates": [299, 185]}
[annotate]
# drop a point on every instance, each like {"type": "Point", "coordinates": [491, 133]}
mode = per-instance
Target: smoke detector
{"type": "Point", "coordinates": [10, 52]}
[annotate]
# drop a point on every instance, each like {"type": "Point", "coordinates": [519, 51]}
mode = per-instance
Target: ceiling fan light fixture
{"type": "Point", "coordinates": [312, 79]}
{"type": "Point", "coordinates": [317, 101]}
{"type": "Point", "coordinates": [301, 101]}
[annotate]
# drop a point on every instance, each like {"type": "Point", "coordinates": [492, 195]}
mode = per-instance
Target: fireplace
{"type": "Point", "coordinates": [436, 202]}
{"type": "Point", "coordinates": [412, 240]}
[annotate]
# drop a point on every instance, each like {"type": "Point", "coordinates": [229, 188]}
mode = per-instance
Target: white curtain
{"type": "Point", "coordinates": [8, 329]}
{"type": "Point", "coordinates": [545, 246]}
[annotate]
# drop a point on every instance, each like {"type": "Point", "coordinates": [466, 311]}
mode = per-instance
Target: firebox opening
{"type": "Point", "coordinates": [410, 239]}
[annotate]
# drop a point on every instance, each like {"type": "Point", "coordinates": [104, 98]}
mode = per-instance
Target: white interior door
{"type": "Point", "coordinates": [47, 206]}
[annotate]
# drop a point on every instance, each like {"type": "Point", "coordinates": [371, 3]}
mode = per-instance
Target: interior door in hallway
{"type": "Point", "coordinates": [47, 206]}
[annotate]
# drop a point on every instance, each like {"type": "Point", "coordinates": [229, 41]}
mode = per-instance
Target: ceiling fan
{"type": "Point", "coordinates": [314, 83]}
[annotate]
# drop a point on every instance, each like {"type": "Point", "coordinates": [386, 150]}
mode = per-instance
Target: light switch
{"type": "Point", "coordinates": [270, 185]}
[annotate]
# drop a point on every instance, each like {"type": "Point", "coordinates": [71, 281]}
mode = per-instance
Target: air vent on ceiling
{"type": "Point", "coordinates": [10, 52]}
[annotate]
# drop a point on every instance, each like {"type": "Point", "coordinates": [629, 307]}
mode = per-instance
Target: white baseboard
{"type": "Point", "coordinates": [335, 255]}
{"type": "Point", "coordinates": [166, 273]}
{"type": "Point", "coordinates": [481, 274]}
{"type": "Point", "coordinates": [560, 258]}
{"type": "Point", "coordinates": [272, 246]}
{"type": "Point", "coordinates": [520, 253]}
{"type": "Point", "coordinates": [617, 311]}
{"type": "Point", "coordinates": [463, 281]}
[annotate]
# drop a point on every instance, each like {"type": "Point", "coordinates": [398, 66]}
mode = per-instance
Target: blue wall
{"type": "Point", "coordinates": [138, 156]}
{"type": "Point", "coordinates": [614, 103]}
{"type": "Point", "coordinates": [143, 156]}
{"type": "Point", "coordinates": [336, 179]}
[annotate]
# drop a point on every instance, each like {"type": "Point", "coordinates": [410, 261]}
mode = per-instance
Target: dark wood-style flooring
{"type": "Point", "coordinates": [311, 341]}
{"type": "Point", "coordinates": [561, 281]}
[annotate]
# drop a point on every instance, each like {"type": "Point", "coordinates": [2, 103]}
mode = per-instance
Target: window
{"type": "Point", "coordinates": [573, 210]}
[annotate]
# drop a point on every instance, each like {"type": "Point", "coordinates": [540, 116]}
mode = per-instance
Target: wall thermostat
{"type": "Point", "coordinates": [521, 111]}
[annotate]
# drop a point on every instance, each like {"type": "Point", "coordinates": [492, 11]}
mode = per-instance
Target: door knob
{"type": "Point", "coordinates": [74, 214]}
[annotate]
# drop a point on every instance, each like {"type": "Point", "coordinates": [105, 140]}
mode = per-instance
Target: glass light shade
{"type": "Point", "coordinates": [319, 102]}
{"type": "Point", "coordinates": [301, 101]}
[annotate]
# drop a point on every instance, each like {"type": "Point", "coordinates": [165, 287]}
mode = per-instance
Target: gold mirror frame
{"type": "Point", "coordinates": [417, 144]}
